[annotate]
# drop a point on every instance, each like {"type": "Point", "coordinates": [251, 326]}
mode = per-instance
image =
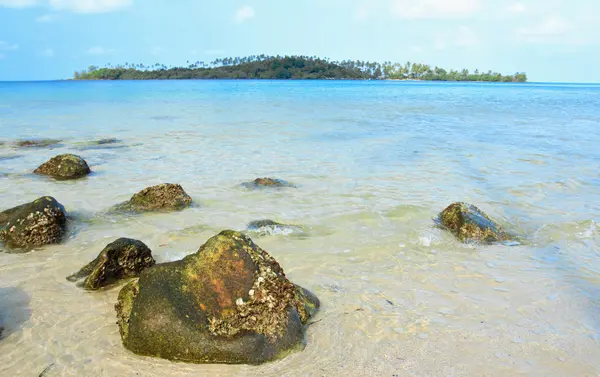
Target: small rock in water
{"type": "Point", "coordinates": [121, 259]}
{"type": "Point", "coordinates": [64, 166]}
{"type": "Point", "coordinates": [161, 198]}
{"type": "Point", "coordinates": [260, 183]}
{"type": "Point", "coordinates": [271, 228]}
{"type": "Point", "coordinates": [469, 224]}
{"type": "Point", "coordinates": [38, 143]}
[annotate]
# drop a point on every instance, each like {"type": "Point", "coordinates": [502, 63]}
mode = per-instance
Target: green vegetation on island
{"type": "Point", "coordinates": [290, 67]}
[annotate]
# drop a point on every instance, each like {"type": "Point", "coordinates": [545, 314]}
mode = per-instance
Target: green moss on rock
{"type": "Point", "coordinates": [121, 259]}
{"type": "Point", "coordinates": [228, 303]}
{"type": "Point", "coordinates": [124, 306]}
{"type": "Point", "coordinates": [468, 223]}
{"type": "Point", "coordinates": [34, 224]}
{"type": "Point", "coordinates": [161, 198]}
{"type": "Point", "coordinates": [64, 166]}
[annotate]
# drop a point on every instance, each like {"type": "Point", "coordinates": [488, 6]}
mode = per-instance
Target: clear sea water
{"type": "Point", "coordinates": [374, 163]}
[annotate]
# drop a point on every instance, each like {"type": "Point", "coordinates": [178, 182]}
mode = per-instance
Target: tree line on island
{"type": "Point", "coordinates": [290, 67]}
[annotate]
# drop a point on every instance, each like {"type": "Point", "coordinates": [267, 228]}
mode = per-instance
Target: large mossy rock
{"type": "Point", "coordinates": [162, 198]}
{"type": "Point", "coordinates": [261, 183]}
{"type": "Point", "coordinates": [122, 259]}
{"type": "Point", "coordinates": [64, 166]}
{"type": "Point", "coordinates": [228, 303]}
{"type": "Point", "coordinates": [34, 224]}
{"type": "Point", "coordinates": [469, 224]}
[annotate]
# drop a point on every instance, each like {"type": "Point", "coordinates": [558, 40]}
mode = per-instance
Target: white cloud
{"type": "Point", "coordinates": [244, 13]}
{"type": "Point", "coordinates": [423, 9]}
{"type": "Point", "coordinates": [550, 27]}
{"type": "Point", "coordinates": [90, 6]}
{"type": "Point", "coordinates": [98, 50]}
{"type": "Point", "coordinates": [5, 46]}
{"type": "Point", "coordinates": [516, 8]}
{"type": "Point", "coordinates": [18, 3]}
{"type": "Point", "coordinates": [49, 53]}
{"type": "Point", "coordinates": [48, 18]}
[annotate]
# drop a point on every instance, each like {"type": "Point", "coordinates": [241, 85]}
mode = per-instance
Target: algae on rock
{"type": "Point", "coordinates": [34, 224]}
{"type": "Point", "coordinates": [64, 166]}
{"type": "Point", "coordinates": [468, 223]}
{"type": "Point", "coordinates": [228, 303]}
{"type": "Point", "coordinates": [161, 198]}
{"type": "Point", "coordinates": [121, 259]}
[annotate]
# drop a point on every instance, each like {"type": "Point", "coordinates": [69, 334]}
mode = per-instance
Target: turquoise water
{"type": "Point", "coordinates": [374, 162]}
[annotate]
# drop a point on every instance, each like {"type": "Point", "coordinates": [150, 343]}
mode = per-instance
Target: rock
{"type": "Point", "coordinates": [6, 158]}
{"type": "Point", "coordinates": [124, 258]}
{"type": "Point", "coordinates": [64, 166]}
{"type": "Point", "coordinates": [468, 223]}
{"type": "Point", "coordinates": [108, 143]}
{"type": "Point", "coordinates": [40, 143]}
{"type": "Point", "coordinates": [161, 198]}
{"type": "Point", "coordinates": [34, 224]}
{"type": "Point", "coordinates": [259, 183]}
{"type": "Point", "coordinates": [111, 140]}
{"type": "Point", "coordinates": [270, 227]}
{"type": "Point", "coordinates": [230, 302]}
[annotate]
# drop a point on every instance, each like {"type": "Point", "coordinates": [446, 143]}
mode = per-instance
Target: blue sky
{"type": "Point", "coordinates": [551, 40]}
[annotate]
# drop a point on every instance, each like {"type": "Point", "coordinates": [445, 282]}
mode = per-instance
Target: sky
{"type": "Point", "coordinates": [550, 40]}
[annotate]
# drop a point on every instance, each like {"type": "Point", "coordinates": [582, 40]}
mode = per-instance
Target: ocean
{"type": "Point", "coordinates": [374, 163]}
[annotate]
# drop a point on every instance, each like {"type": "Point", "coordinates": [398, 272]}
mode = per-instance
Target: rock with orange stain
{"type": "Point", "coordinates": [228, 303]}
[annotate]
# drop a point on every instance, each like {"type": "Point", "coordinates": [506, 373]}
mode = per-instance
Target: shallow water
{"type": "Point", "coordinates": [374, 162]}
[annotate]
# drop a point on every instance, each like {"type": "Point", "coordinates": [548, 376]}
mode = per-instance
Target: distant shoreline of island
{"type": "Point", "coordinates": [291, 68]}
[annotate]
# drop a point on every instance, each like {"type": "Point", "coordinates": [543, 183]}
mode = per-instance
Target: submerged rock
{"type": "Point", "coordinates": [38, 223]}
{"type": "Point", "coordinates": [469, 223]}
{"type": "Point", "coordinates": [111, 140]}
{"type": "Point", "coordinates": [38, 143]}
{"type": "Point", "coordinates": [270, 227]}
{"type": "Point", "coordinates": [6, 158]}
{"type": "Point", "coordinates": [121, 259]}
{"type": "Point", "coordinates": [162, 198]}
{"type": "Point", "coordinates": [108, 143]}
{"type": "Point", "coordinates": [230, 302]}
{"type": "Point", "coordinates": [267, 183]}
{"type": "Point", "coordinates": [64, 166]}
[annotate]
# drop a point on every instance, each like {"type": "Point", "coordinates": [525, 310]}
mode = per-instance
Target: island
{"type": "Point", "coordinates": [290, 68]}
